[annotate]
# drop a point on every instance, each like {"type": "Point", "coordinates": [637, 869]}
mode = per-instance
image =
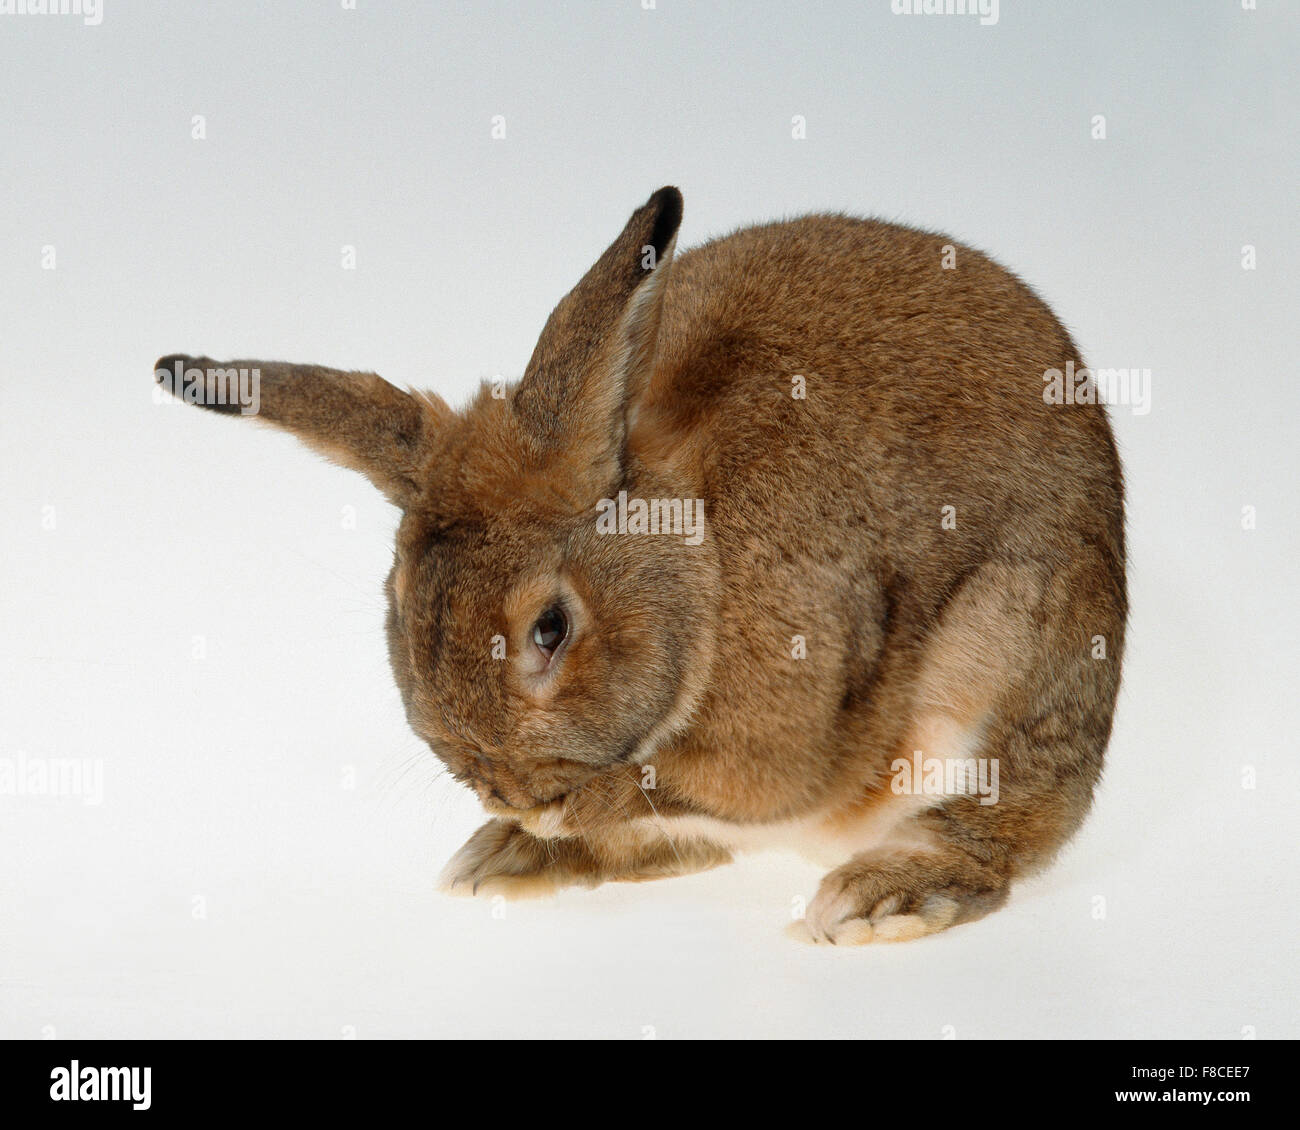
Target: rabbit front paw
{"type": "Point", "coordinates": [501, 858]}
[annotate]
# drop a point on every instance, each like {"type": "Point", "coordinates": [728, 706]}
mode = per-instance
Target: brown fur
{"type": "Point", "coordinates": [924, 390]}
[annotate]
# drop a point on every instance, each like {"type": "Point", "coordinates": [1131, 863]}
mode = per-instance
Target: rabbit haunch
{"type": "Point", "coordinates": [667, 377]}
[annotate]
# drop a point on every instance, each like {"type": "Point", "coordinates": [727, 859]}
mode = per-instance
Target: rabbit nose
{"type": "Point", "coordinates": [486, 788]}
{"type": "Point", "coordinates": [502, 790]}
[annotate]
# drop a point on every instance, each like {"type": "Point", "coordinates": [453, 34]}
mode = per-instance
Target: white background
{"type": "Point", "coordinates": [230, 883]}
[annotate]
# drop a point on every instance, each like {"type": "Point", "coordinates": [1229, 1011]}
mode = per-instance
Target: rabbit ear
{"type": "Point", "coordinates": [356, 419]}
{"type": "Point", "coordinates": [595, 353]}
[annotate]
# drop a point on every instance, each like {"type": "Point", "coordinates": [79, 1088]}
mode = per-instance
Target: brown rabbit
{"type": "Point", "coordinates": [886, 567]}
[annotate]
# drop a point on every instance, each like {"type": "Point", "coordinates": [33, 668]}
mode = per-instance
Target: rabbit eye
{"type": "Point", "coordinates": [550, 630]}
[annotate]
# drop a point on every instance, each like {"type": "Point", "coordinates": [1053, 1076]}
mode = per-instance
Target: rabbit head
{"type": "Point", "coordinates": [532, 650]}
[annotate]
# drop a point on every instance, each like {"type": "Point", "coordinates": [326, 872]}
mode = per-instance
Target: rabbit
{"type": "Point", "coordinates": [907, 558]}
